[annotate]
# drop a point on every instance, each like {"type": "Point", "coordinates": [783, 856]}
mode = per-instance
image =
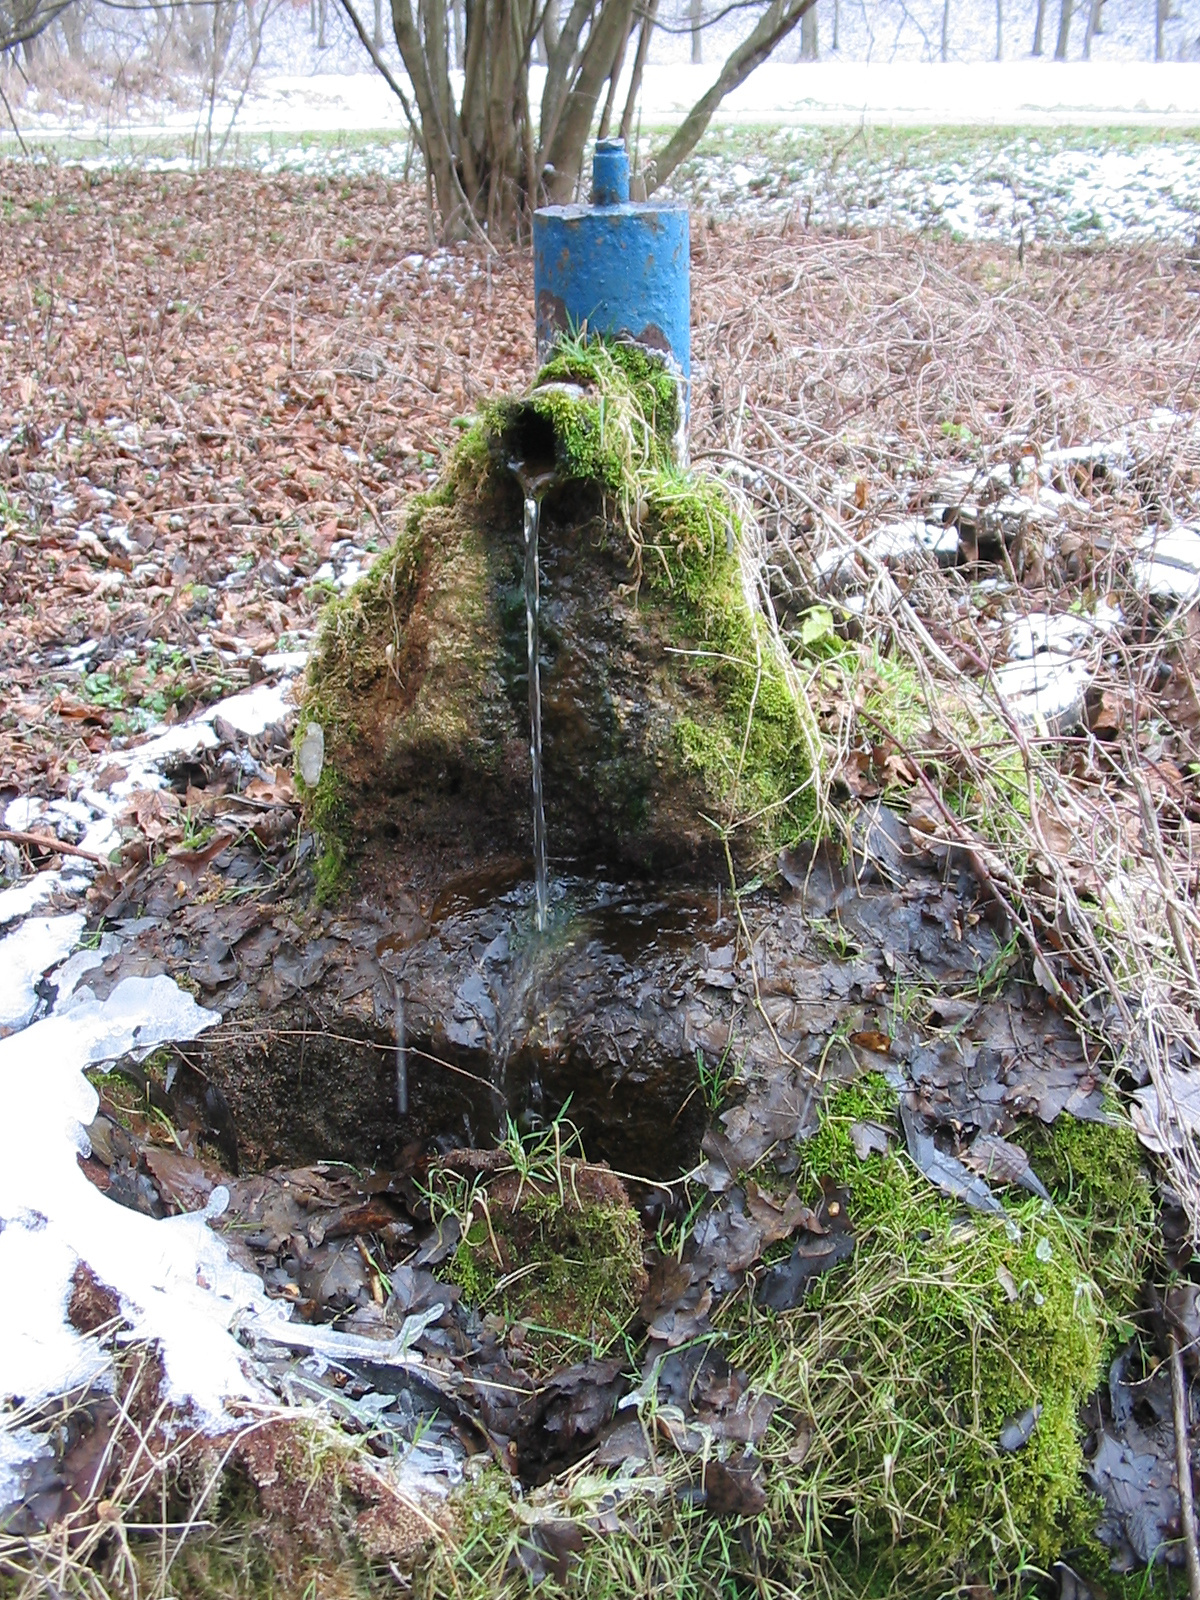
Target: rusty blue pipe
{"type": "Point", "coordinates": [620, 266]}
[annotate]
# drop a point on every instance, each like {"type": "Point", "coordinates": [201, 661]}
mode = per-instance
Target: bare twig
{"type": "Point", "coordinates": [1183, 1465]}
{"type": "Point", "coordinates": [40, 841]}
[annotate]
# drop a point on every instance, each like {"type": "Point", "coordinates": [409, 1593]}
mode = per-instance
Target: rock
{"type": "Point", "coordinates": [649, 656]}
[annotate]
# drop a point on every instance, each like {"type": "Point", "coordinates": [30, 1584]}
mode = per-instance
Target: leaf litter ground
{"type": "Point", "coordinates": [223, 391]}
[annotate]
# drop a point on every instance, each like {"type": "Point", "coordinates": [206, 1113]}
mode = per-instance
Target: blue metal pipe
{"type": "Point", "coordinates": [610, 173]}
{"type": "Point", "coordinates": [618, 267]}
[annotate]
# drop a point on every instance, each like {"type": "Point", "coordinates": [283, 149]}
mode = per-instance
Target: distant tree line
{"type": "Point", "coordinates": [490, 152]}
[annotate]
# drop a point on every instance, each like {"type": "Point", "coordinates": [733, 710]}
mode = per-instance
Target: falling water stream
{"type": "Point", "coordinates": [534, 486]}
{"type": "Point", "coordinates": [541, 869]}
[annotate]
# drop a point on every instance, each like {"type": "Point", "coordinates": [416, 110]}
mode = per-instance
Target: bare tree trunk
{"type": "Point", "coordinates": [695, 11]}
{"type": "Point", "coordinates": [377, 35]}
{"type": "Point", "coordinates": [72, 27]}
{"type": "Point", "coordinates": [1039, 27]}
{"type": "Point", "coordinates": [613, 79]}
{"type": "Point", "coordinates": [837, 7]}
{"type": "Point", "coordinates": [322, 9]}
{"type": "Point", "coordinates": [946, 29]}
{"type": "Point", "coordinates": [1090, 29]}
{"type": "Point", "coordinates": [1098, 25]}
{"type": "Point", "coordinates": [440, 164]}
{"type": "Point", "coordinates": [1064, 29]}
{"type": "Point", "coordinates": [564, 57]}
{"type": "Point", "coordinates": [810, 46]}
{"type": "Point", "coordinates": [639, 64]}
{"type": "Point", "coordinates": [565, 154]}
{"type": "Point", "coordinates": [312, 16]}
{"type": "Point", "coordinates": [1161, 9]}
{"type": "Point", "coordinates": [999, 30]}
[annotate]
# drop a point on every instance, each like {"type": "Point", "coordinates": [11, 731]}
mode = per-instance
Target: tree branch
{"type": "Point", "coordinates": [34, 24]}
{"type": "Point", "coordinates": [774, 25]}
{"type": "Point", "coordinates": [383, 69]}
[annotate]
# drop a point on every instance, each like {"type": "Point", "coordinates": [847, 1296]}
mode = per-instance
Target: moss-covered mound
{"type": "Point", "coordinates": [669, 717]}
{"type": "Point", "coordinates": [554, 1246]}
{"type": "Point", "coordinates": [938, 1377]}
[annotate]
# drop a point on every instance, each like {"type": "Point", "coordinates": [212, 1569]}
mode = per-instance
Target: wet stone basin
{"type": "Point", "coordinates": [611, 1010]}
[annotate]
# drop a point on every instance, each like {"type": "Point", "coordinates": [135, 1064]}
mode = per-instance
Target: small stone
{"type": "Point", "coordinates": [310, 757]}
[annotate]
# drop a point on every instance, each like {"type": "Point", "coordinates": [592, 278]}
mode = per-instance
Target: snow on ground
{"type": "Point", "coordinates": [1043, 186]}
{"type": "Point", "coordinates": [173, 1277]}
{"type": "Point", "coordinates": [766, 152]}
{"type": "Point", "coordinates": [177, 1287]}
{"type": "Point", "coordinates": [838, 93]}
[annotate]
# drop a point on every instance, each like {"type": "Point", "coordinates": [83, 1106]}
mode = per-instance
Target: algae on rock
{"type": "Point", "coordinates": [671, 721]}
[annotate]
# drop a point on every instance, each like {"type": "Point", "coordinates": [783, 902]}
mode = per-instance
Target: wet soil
{"type": "Point", "coordinates": [421, 1021]}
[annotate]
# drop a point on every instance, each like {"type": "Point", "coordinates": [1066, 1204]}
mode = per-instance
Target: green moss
{"type": "Point", "coordinates": [634, 1547]}
{"type": "Point", "coordinates": [750, 740]}
{"type": "Point", "coordinates": [613, 412]}
{"type": "Point", "coordinates": [754, 750]}
{"type": "Point", "coordinates": [361, 641]}
{"type": "Point", "coordinates": [563, 1259]}
{"type": "Point", "coordinates": [894, 1380]}
{"type": "Point", "coordinates": [1096, 1172]}
{"type": "Point", "coordinates": [618, 369]}
{"type": "Point", "coordinates": [914, 1356]}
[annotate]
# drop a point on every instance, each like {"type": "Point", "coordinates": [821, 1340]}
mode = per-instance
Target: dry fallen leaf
{"type": "Point", "coordinates": [868, 1138]}
{"type": "Point", "coordinates": [872, 1039]}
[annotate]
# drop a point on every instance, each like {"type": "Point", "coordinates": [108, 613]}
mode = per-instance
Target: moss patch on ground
{"type": "Point", "coordinates": [945, 1328]}
{"type": "Point", "coordinates": [558, 1251]}
{"type": "Point", "coordinates": [885, 1464]}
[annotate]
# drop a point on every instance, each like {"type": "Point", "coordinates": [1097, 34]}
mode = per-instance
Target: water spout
{"type": "Point", "coordinates": [401, 1057]}
{"type": "Point", "coordinates": [534, 485]}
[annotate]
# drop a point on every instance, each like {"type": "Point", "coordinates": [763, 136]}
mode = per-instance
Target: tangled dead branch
{"type": "Point", "coordinates": [902, 387]}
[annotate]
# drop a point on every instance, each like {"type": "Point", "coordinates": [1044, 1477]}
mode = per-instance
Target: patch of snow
{"type": "Point", "coordinates": [31, 950]}
{"type": "Point", "coordinates": [1060, 633]}
{"type": "Point", "coordinates": [144, 762]}
{"type": "Point", "coordinates": [286, 661]}
{"type": "Point", "coordinates": [1046, 691]}
{"type": "Point", "coordinates": [20, 900]}
{"type": "Point", "coordinates": [66, 978]}
{"type": "Point", "coordinates": [897, 541]}
{"type": "Point", "coordinates": [1112, 452]}
{"type": "Point", "coordinates": [1163, 418]}
{"type": "Point", "coordinates": [20, 814]}
{"type": "Point", "coordinates": [1168, 566]}
{"type": "Point", "coordinates": [253, 711]}
{"type": "Point", "coordinates": [101, 838]}
{"type": "Point", "coordinates": [174, 1278]}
